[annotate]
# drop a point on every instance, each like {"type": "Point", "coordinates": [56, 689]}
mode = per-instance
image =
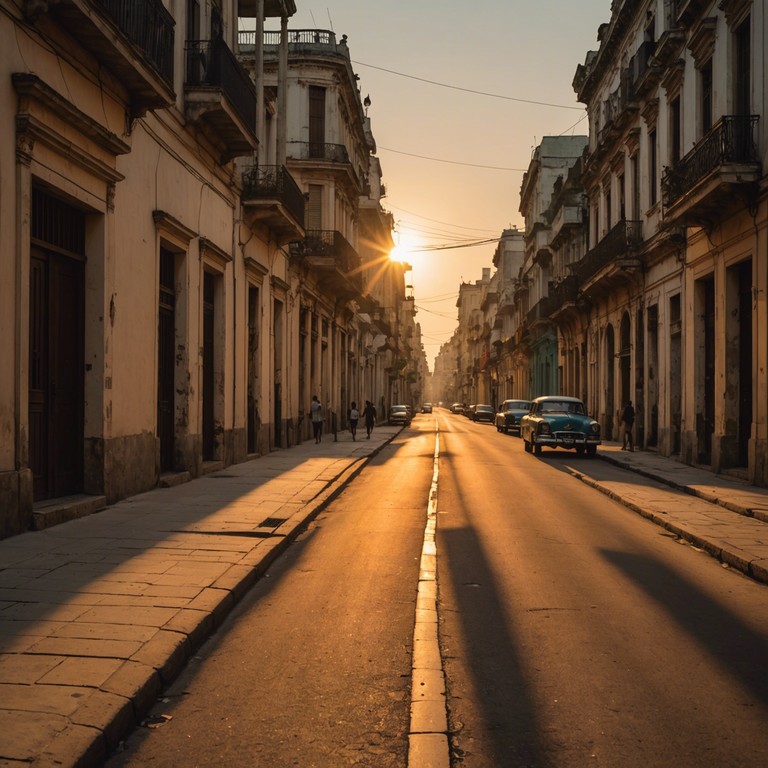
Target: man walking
{"type": "Point", "coordinates": [628, 419]}
{"type": "Point", "coordinates": [369, 414]}
{"type": "Point", "coordinates": [317, 419]}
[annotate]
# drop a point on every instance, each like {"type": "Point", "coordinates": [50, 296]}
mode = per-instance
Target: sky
{"type": "Point", "coordinates": [461, 94]}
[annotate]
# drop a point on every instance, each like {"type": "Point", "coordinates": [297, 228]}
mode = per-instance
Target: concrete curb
{"type": "Point", "coordinates": [753, 567]}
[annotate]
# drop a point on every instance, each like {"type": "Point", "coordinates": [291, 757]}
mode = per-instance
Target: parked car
{"type": "Point", "coordinates": [398, 414]}
{"type": "Point", "coordinates": [483, 412]}
{"type": "Point", "coordinates": [559, 422]}
{"type": "Point", "coordinates": [426, 408]}
{"type": "Point", "coordinates": [509, 414]}
{"type": "Point", "coordinates": [457, 408]}
{"type": "Point", "coordinates": [469, 411]}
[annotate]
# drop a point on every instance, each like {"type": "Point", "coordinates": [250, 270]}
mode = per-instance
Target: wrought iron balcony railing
{"type": "Point", "coordinates": [150, 27]}
{"type": "Point", "coordinates": [618, 243]}
{"type": "Point", "coordinates": [274, 182]}
{"type": "Point", "coordinates": [211, 63]}
{"type": "Point", "coordinates": [564, 292]}
{"type": "Point", "coordinates": [731, 141]}
{"type": "Point", "coordinates": [317, 150]}
{"type": "Point", "coordinates": [330, 244]}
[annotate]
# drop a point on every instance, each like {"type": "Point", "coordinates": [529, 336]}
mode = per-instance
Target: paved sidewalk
{"type": "Point", "coordinates": [99, 614]}
{"type": "Point", "coordinates": [723, 515]}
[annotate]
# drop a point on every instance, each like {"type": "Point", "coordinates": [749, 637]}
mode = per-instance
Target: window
{"type": "Point", "coordinates": [705, 84]}
{"type": "Point", "coordinates": [316, 121]}
{"type": "Point", "coordinates": [742, 69]}
{"type": "Point", "coordinates": [314, 210]}
{"type": "Point", "coordinates": [652, 166]}
{"type": "Point", "coordinates": [674, 131]}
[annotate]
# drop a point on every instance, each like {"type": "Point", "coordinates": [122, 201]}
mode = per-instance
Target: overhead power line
{"type": "Point", "coordinates": [451, 162]}
{"type": "Point", "coordinates": [468, 90]}
{"type": "Point", "coordinates": [448, 246]}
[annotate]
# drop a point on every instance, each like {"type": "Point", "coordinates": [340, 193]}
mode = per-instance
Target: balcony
{"type": "Point", "coordinates": [220, 97]}
{"type": "Point", "coordinates": [564, 297]}
{"type": "Point", "coordinates": [133, 39]}
{"type": "Point", "coordinates": [612, 260]}
{"type": "Point", "coordinates": [538, 314]}
{"type": "Point", "coordinates": [271, 196]}
{"type": "Point", "coordinates": [335, 261]}
{"type": "Point", "coordinates": [717, 175]}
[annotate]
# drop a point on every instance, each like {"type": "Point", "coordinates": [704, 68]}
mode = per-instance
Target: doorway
{"type": "Point", "coordinates": [56, 347]}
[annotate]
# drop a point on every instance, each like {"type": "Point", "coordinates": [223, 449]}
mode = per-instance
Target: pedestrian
{"type": "Point", "coordinates": [628, 419]}
{"type": "Point", "coordinates": [369, 415]}
{"type": "Point", "coordinates": [317, 419]}
{"type": "Point", "coordinates": [354, 415]}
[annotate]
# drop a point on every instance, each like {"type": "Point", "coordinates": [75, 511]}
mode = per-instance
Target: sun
{"type": "Point", "coordinates": [403, 252]}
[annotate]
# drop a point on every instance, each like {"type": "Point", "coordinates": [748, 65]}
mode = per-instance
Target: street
{"type": "Point", "coordinates": [573, 632]}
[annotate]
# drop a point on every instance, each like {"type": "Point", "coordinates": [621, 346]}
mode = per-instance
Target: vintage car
{"type": "Point", "coordinates": [509, 414]}
{"type": "Point", "coordinates": [559, 422]}
{"type": "Point", "coordinates": [426, 407]}
{"type": "Point", "coordinates": [482, 412]}
{"type": "Point", "coordinates": [398, 414]}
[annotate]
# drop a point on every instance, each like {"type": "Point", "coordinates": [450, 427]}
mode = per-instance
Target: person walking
{"type": "Point", "coordinates": [354, 415]}
{"type": "Point", "coordinates": [369, 415]}
{"type": "Point", "coordinates": [317, 419]}
{"type": "Point", "coordinates": [628, 419]}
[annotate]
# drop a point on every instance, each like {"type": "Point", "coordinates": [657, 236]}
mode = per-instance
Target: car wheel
{"type": "Point", "coordinates": [580, 450]}
{"type": "Point", "coordinates": [591, 451]}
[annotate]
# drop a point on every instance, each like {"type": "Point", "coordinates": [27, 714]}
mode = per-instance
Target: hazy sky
{"type": "Point", "coordinates": [514, 51]}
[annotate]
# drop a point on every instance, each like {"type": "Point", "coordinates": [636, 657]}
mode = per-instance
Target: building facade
{"type": "Point", "coordinates": [163, 310]}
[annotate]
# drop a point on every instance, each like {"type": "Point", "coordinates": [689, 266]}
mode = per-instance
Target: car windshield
{"type": "Point", "coordinates": [518, 405]}
{"type": "Point", "coordinates": [398, 408]}
{"type": "Point", "coordinates": [561, 406]}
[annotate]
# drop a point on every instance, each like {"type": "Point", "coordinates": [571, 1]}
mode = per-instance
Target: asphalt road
{"type": "Point", "coordinates": [573, 631]}
{"type": "Point", "coordinates": [576, 633]}
{"type": "Point", "coordinates": [314, 667]}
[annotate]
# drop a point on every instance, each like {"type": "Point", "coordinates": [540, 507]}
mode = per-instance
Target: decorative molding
{"type": "Point", "coordinates": [650, 112]}
{"type": "Point", "coordinates": [702, 41]}
{"type": "Point", "coordinates": [171, 226]}
{"type": "Point", "coordinates": [31, 89]}
{"type": "Point", "coordinates": [735, 10]}
{"type": "Point", "coordinates": [672, 80]}
{"type": "Point", "coordinates": [632, 141]}
{"type": "Point", "coordinates": [214, 255]}
{"type": "Point", "coordinates": [255, 268]}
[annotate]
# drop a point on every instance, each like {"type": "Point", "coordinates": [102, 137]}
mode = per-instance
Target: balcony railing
{"type": "Point", "coordinates": [317, 150]}
{"type": "Point", "coordinates": [211, 63]}
{"type": "Point", "coordinates": [329, 248]}
{"type": "Point", "coordinates": [618, 243]}
{"type": "Point", "coordinates": [564, 292]}
{"type": "Point", "coordinates": [731, 141]}
{"type": "Point", "coordinates": [274, 182]}
{"type": "Point", "coordinates": [149, 26]}
{"type": "Point", "coordinates": [540, 311]}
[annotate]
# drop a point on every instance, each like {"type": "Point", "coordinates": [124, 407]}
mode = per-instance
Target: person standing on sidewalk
{"type": "Point", "coordinates": [628, 419]}
{"type": "Point", "coordinates": [354, 415]}
{"type": "Point", "coordinates": [369, 414]}
{"type": "Point", "coordinates": [317, 419]}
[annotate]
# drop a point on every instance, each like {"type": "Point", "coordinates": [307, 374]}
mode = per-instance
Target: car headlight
{"type": "Point", "coordinates": [595, 428]}
{"type": "Point", "coordinates": [545, 429]}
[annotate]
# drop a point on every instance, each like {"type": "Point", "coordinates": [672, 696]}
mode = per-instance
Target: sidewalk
{"type": "Point", "coordinates": [99, 614]}
{"type": "Point", "coordinates": [725, 516]}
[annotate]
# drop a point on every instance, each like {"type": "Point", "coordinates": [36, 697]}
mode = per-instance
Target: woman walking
{"type": "Point", "coordinates": [369, 414]}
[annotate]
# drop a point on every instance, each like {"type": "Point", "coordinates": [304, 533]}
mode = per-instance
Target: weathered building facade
{"type": "Point", "coordinates": [160, 320]}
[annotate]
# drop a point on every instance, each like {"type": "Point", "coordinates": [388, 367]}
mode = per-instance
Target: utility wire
{"type": "Point", "coordinates": [451, 162]}
{"type": "Point", "coordinates": [447, 247]}
{"type": "Point", "coordinates": [466, 90]}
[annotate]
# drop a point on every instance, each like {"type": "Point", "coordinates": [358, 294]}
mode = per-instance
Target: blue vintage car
{"type": "Point", "coordinates": [559, 422]}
